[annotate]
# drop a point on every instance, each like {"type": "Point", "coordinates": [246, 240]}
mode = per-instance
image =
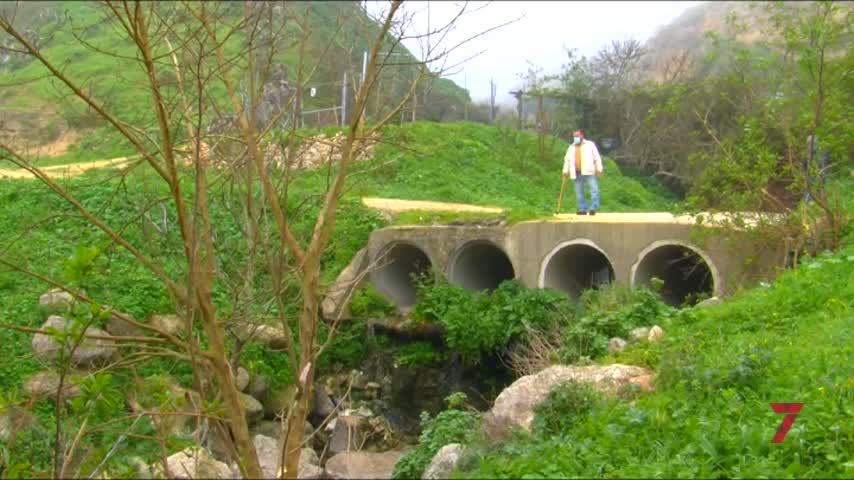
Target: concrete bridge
{"type": "Point", "coordinates": [570, 253]}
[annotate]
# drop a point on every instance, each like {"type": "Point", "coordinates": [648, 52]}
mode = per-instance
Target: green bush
{"type": "Point", "coordinates": [368, 303]}
{"type": "Point", "coordinates": [607, 313]}
{"type": "Point", "coordinates": [718, 369]}
{"type": "Point", "coordinates": [449, 426]}
{"type": "Point", "coordinates": [563, 408]}
{"type": "Point", "coordinates": [418, 353]}
{"type": "Point", "coordinates": [474, 323]}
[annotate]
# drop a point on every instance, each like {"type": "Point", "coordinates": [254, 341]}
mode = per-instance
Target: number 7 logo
{"type": "Point", "coordinates": [791, 410]}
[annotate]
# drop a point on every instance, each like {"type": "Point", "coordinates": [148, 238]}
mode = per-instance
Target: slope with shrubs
{"type": "Point", "coordinates": [452, 162]}
{"type": "Point", "coordinates": [718, 370]}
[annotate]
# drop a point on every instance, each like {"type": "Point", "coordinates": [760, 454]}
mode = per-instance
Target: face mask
{"type": "Point", "coordinates": [576, 140]}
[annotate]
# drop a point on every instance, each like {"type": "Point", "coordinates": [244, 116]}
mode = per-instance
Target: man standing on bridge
{"type": "Point", "coordinates": [583, 164]}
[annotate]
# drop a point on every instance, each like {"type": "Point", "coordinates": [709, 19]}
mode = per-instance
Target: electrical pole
{"type": "Point", "coordinates": [466, 104]}
{"type": "Point", "coordinates": [344, 100]}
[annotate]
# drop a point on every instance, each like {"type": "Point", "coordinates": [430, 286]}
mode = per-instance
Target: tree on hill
{"type": "Point", "coordinates": [202, 64]}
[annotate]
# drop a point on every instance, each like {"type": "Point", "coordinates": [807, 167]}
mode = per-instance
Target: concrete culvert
{"type": "Point", "coordinates": [577, 267]}
{"type": "Point", "coordinates": [394, 278]}
{"type": "Point", "coordinates": [480, 265]}
{"type": "Point", "coordinates": [685, 273]}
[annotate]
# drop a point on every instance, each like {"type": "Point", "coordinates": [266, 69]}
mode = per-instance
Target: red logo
{"type": "Point", "coordinates": [791, 410]}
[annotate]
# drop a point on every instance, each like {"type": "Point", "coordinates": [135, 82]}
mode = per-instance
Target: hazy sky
{"type": "Point", "coordinates": [540, 36]}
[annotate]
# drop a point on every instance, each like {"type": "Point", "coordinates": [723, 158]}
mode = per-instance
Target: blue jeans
{"type": "Point", "coordinates": [590, 180]}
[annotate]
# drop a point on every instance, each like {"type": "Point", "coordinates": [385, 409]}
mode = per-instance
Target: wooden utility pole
{"type": "Point", "coordinates": [518, 95]}
{"type": "Point", "coordinates": [344, 100]}
{"type": "Point", "coordinates": [541, 134]}
{"type": "Point", "coordinates": [466, 104]}
{"type": "Point", "coordinates": [492, 90]}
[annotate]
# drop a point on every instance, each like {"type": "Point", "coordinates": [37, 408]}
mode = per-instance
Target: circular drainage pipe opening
{"type": "Point", "coordinates": [394, 278]}
{"type": "Point", "coordinates": [577, 267]}
{"type": "Point", "coordinates": [686, 275]}
{"type": "Point", "coordinates": [480, 265]}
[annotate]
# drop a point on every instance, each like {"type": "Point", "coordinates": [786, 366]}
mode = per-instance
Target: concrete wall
{"type": "Point", "coordinates": [531, 247]}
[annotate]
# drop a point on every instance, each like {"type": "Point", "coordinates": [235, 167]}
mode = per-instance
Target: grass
{"type": "Point", "coordinates": [41, 232]}
{"type": "Point", "coordinates": [718, 369]}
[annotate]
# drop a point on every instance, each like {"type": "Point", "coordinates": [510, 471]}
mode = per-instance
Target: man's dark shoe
{"type": "Point", "coordinates": [592, 212]}
{"type": "Point", "coordinates": [580, 213]}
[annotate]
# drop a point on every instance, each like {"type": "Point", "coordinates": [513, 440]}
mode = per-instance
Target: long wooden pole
{"type": "Point", "coordinates": [560, 196]}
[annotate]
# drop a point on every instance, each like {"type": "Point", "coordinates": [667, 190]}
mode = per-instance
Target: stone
{"type": "Point", "coordinates": [15, 419]}
{"type": "Point", "coordinates": [323, 406]}
{"type": "Point", "coordinates": [514, 407]}
{"type": "Point", "coordinates": [169, 324]}
{"type": "Point", "coordinates": [363, 464]}
{"type": "Point", "coordinates": [242, 379]}
{"type": "Point", "coordinates": [655, 333]}
{"type": "Point", "coordinates": [709, 302]}
{"type": "Point", "coordinates": [444, 462]}
{"type": "Point", "coordinates": [348, 434]}
{"type": "Point", "coordinates": [257, 386]}
{"type": "Point", "coordinates": [193, 462]}
{"type": "Point", "coordinates": [252, 408]}
{"type": "Point", "coordinates": [269, 451]}
{"type": "Point", "coordinates": [55, 300]}
{"type": "Point", "coordinates": [120, 328]}
{"type": "Point", "coordinates": [276, 429]}
{"type": "Point", "coordinates": [46, 384]}
{"type": "Point", "coordinates": [269, 335]}
{"type": "Point", "coordinates": [639, 333]}
{"type": "Point", "coordinates": [335, 304]}
{"type": "Point", "coordinates": [90, 352]}
{"type": "Point", "coordinates": [357, 379]}
{"type": "Point", "coordinates": [616, 345]}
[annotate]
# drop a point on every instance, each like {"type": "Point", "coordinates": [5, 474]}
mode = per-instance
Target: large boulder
{"type": "Point", "coordinates": [616, 345]}
{"type": "Point", "coordinates": [257, 386]}
{"type": "Point", "coordinates": [169, 324]}
{"type": "Point", "coordinates": [241, 379]}
{"type": "Point", "coordinates": [655, 333]}
{"type": "Point", "coordinates": [252, 408]}
{"type": "Point", "coordinates": [444, 462]}
{"type": "Point", "coordinates": [269, 335]}
{"type": "Point", "coordinates": [46, 384]}
{"type": "Point", "coordinates": [55, 301]}
{"type": "Point", "coordinates": [334, 304]}
{"type": "Point", "coordinates": [276, 429]}
{"type": "Point", "coordinates": [640, 333]}
{"type": "Point", "coordinates": [348, 433]}
{"type": "Point", "coordinates": [322, 405]}
{"type": "Point", "coordinates": [514, 407]}
{"type": "Point", "coordinates": [89, 352]}
{"type": "Point", "coordinates": [192, 463]}
{"type": "Point", "coordinates": [269, 451]}
{"type": "Point", "coordinates": [116, 325]}
{"type": "Point", "coordinates": [363, 464]}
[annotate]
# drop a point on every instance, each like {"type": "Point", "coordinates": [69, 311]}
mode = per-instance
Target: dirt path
{"type": "Point", "coordinates": [66, 170]}
{"type": "Point", "coordinates": [394, 205]}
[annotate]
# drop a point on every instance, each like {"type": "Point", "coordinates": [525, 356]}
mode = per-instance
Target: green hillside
{"type": "Point", "coordinates": [718, 369]}
{"type": "Point", "coordinates": [86, 42]}
{"type": "Point", "coordinates": [449, 162]}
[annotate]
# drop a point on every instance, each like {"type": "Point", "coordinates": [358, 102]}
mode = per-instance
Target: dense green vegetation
{"type": "Point", "coordinates": [718, 368]}
{"type": "Point", "coordinates": [42, 233]}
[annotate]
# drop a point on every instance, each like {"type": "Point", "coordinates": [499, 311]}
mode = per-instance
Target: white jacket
{"type": "Point", "coordinates": [591, 162]}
